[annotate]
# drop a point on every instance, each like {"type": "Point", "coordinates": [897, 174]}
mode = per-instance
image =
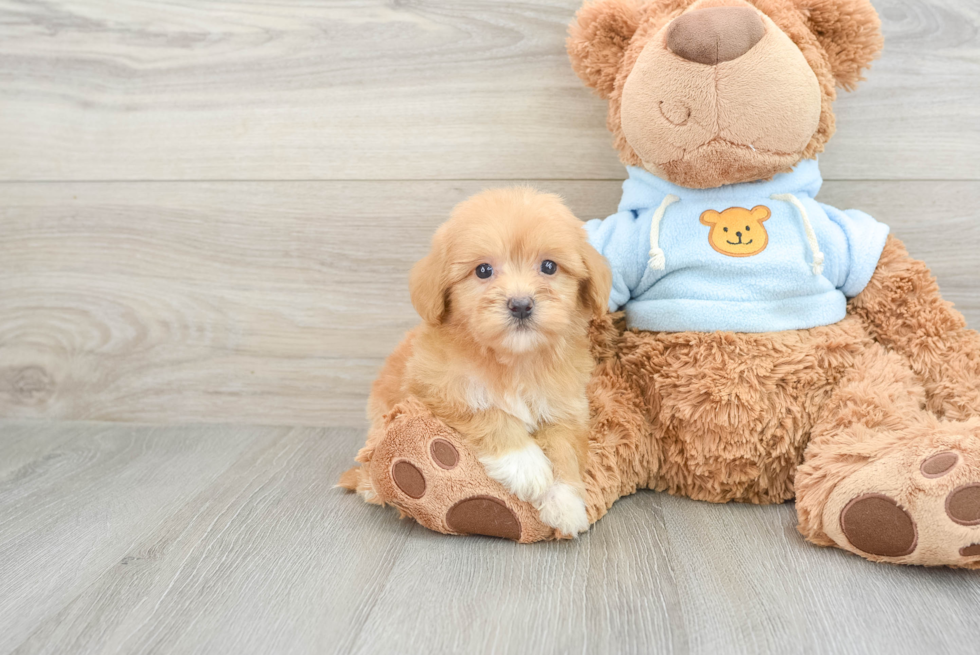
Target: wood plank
{"type": "Point", "coordinates": [25, 446]}
{"type": "Point", "coordinates": [365, 89]}
{"type": "Point", "coordinates": [667, 575]}
{"type": "Point", "coordinates": [264, 558]}
{"type": "Point", "coordinates": [259, 555]}
{"type": "Point", "coordinates": [75, 509]}
{"type": "Point", "coordinates": [275, 303]}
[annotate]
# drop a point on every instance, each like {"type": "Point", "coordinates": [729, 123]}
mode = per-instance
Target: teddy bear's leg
{"type": "Point", "coordinates": [903, 309]}
{"type": "Point", "coordinates": [421, 466]}
{"type": "Point", "coordinates": [624, 451]}
{"type": "Point", "coordinates": [885, 478]}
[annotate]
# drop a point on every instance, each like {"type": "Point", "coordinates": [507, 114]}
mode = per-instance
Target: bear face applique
{"type": "Point", "coordinates": [737, 232]}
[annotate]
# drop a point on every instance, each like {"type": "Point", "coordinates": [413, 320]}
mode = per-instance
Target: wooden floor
{"type": "Point", "coordinates": [207, 216]}
{"type": "Point", "coordinates": [230, 539]}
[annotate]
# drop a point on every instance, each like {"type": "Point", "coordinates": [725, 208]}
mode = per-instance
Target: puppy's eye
{"type": "Point", "coordinates": [549, 267]}
{"type": "Point", "coordinates": [483, 271]}
{"type": "Point", "coordinates": [726, 229]}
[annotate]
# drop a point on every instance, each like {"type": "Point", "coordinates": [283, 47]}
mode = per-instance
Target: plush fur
{"type": "Point", "coordinates": [871, 424]}
{"type": "Point", "coordinates": [837, 38]}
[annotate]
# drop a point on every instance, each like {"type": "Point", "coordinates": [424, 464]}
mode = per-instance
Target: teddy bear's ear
{"type": "Point", "coordinates": [709, 217]}
{"type": "Point", "coordinates": [598, 38]}
{"type": "Point", "coordinates": [849, 32]}
{"type": "Point", "coordinates": [760, 213]}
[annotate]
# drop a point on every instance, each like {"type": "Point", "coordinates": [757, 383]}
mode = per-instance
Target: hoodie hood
{"type": "Point", "coordinates": [643, 190]}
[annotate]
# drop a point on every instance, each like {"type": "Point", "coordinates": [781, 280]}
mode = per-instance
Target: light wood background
{"type": "Point", "coordinates": [208, 210]}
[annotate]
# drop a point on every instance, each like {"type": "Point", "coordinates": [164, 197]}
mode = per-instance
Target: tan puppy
{"type": "Point", "coordinates": [506, 295]}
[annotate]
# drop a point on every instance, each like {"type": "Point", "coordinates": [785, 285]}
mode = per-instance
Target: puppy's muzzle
{"type": "Point", "coordinates": [520, 308]}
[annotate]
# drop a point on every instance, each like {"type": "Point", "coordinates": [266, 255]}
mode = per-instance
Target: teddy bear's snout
{"type": "Point", "coordinates": [714, 35]}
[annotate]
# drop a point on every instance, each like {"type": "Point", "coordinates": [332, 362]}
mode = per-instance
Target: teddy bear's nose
{"type": "Point", "coordinates": [711, 36]}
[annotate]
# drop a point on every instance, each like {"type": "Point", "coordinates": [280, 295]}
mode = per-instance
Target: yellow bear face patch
{"type": "Point", "coordinates": [737, 232]}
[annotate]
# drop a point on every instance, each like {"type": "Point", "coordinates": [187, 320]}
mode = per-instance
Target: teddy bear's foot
{"type": "Point", "coordinates": [917, 505]}
{"type": "Point", "coordinates": [421, 467]}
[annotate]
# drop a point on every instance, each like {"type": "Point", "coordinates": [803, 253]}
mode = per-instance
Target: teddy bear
{"type": "Point", "coordinates": [760, 346]}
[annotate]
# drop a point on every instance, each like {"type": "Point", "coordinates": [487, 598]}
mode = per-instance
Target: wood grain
{"type": "Point", "coordinates": [276, 303]}
{"type": "Point", "coordinates": [365, 89]}
{"type": "Point", "coordinates": [73, 510]}
{"type": "Point", "coordinates": [224, 539]}
{"type": "Point", "coordinates": [208, 212]}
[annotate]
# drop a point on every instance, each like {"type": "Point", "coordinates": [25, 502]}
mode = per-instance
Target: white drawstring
{"type": "Point", "coordinates": [658, 261]}
{"type": "Point", "coordinates": [811, 236]}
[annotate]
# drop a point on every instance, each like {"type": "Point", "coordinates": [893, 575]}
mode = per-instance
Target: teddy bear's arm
{"type": "Point", "coordinates": [620, 239]}
{"type": "Point", "coordinates": [904, 311]}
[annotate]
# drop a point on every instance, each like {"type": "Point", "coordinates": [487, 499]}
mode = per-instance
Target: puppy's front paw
{"type": "Point", "coordinates": [526, 472]}
{"type": "Point", "coordinates": [562, 508]}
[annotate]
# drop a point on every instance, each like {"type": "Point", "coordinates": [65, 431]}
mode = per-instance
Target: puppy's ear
{"type": "Point", "coordinates": [428, 283]}
{"type": "Point", "coordinates": [598, 39]}
{"type": "Point", "coordinates": [849, 31]}
{"type": "Point", "coordinates": [598, 285]}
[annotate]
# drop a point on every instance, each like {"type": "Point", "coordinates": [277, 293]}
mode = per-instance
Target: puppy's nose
{"type": "Point", "coordinates": [711, 36]}
{"type": "Point", "coordinates": [520, 307]}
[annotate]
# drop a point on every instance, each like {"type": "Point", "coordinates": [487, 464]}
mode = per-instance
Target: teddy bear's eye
{"type": "Point", "coordinates": [483, 271]}
{"type": "Point", "coordinates": [747, 228]}
{"type": "Point", "coordinates": [726, 229]}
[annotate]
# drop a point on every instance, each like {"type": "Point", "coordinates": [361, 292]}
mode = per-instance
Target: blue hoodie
{"type": "Point", "coordinates": [751, 257]}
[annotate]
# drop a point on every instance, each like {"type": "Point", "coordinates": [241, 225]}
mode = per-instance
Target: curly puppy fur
{"type": "Point", "coordinates": [513, 385]}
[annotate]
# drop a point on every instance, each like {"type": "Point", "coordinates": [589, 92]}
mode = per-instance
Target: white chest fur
{"type": "Point", "coordinates": [531, 407]}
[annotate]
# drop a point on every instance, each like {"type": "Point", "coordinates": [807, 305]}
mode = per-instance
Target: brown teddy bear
{"type": "Point", "coordinates": [867, 413]}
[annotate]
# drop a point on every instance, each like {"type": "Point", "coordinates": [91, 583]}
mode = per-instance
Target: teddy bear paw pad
{"type": "Point", "coordinates": [485, 516]}
{"type": "Point", "coordinates": [963, 505]}
{"type": "Point", "coordinates": [876, 524]}
{"type": "Point", "coordinates": [408, 478]}
{"type": "Point", "coordinates": [939, 464]}
{"type": "Point", "coordinates": [912, 507]}
{"type": "Point", "coordinates": [970, 551]}
{"type": "Point", "coordinates": [444, 454]}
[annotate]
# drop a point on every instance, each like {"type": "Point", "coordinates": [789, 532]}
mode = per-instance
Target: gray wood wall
{"type": "Point", "coordinates": [208, 210]}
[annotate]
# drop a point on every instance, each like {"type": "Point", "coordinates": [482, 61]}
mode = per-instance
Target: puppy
{"type": "Point", "coordinates": [502, 355]}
